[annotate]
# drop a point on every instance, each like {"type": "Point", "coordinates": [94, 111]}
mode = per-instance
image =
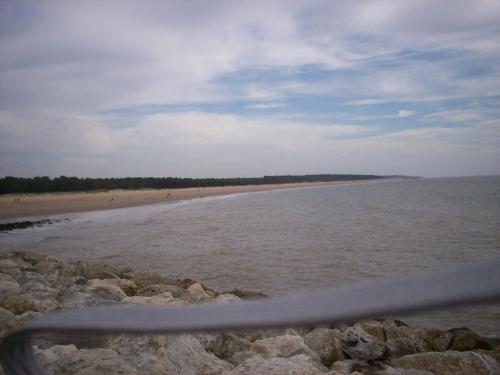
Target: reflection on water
{"type": "Point", "coordinates": [288, 240]}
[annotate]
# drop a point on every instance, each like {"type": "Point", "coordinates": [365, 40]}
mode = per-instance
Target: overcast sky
{"type": "Point", "coordinates": [235, 88]}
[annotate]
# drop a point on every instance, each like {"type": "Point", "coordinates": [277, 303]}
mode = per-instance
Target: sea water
{"type": "Point", "coordinates": [293, 240]}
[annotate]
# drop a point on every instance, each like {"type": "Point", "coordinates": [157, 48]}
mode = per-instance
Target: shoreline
{"type": "Point", "coordinates": [22, 205]}
{"type": "Point", "coordinates": [34, 284]}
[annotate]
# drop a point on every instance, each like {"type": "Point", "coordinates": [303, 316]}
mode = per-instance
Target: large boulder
{"type": "Point", "coordinates": [107, 289]}
{"type": "Point", "coordinates": [299, 365]}
{"type": "Point", "coordinates": [66, 360]}
{"type": "Point", "coordinates": [450, 363]}
{"type": "Point", "coordinates": [403, 339]}
{"type": "Point", "coordinates": [186, 356]}
{"type": "Point", "coordinates": [226, 345]}
{"type": "Point", "coordinates": [373, 328]}
{"type": "Point", "coordinates": [325, 342]}
{"type": "Point", "coordinates": [465, 339]}
{"type": "Point", "coordinates": [283, 346]}
{"type": "Point", "coordinates": [359, 345]}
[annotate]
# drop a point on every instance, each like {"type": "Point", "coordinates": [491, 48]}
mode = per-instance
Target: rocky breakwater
{"type": "Point", "coordinates": [32, 284]}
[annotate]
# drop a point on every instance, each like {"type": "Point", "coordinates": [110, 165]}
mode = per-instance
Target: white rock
{"type": "Point", "coordinates": [450, 363]}
{"type": "Point", "coordinates": [283, 346]}
{"type": "Point", "coordinates": [299, 364]}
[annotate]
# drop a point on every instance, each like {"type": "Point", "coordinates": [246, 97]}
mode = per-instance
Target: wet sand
{"type": "Point", "coordinates": [27, 205]}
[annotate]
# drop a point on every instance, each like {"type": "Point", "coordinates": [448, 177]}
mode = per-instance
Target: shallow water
{"type": "Point", "coordinates": [295, 239]}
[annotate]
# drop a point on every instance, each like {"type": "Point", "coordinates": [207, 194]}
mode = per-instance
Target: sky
{"type": "Point", "coordinates": [249, 88]}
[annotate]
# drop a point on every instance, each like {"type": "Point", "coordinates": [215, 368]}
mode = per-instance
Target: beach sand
{"type": "Point", "coordinates": [14, 206]}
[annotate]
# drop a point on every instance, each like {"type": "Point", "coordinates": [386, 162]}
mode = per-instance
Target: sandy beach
{"type": "Point", "coordinates": [14, 206]}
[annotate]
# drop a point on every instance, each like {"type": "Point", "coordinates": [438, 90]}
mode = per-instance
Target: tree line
{"type": "Point", "coordinates": [65, 184]}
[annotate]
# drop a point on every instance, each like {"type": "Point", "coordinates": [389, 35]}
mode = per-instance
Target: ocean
{"type": "Point", "coordinates": [293, 240]}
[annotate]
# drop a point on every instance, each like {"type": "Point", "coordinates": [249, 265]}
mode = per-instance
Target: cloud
{"type": "Point", "coordinates": [406, 112]}
{"type": "Point", "coordinates": [71, 71]}
{"type": "Point", "coordinates": [271, 105]}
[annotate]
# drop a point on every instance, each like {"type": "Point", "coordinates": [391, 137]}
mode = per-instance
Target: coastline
{"type": "Point", "coordinates": [14, 206]}
{"type": "Point", "coordinates": [33, 284]}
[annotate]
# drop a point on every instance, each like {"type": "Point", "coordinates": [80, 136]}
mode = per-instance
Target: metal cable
{"type": "Point", "coordinates": [473, 284]}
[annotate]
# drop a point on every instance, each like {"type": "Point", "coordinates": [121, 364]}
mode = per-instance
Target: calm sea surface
{"type": "Point", "coordinates": [282, 241]}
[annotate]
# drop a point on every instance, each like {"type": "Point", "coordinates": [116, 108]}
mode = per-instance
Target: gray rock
{"type": "Point", "coordinates": [5, 277]}
{"type": "Point", "coordinates": [80, 295]}
{"type": "Point", "coordinates": [296, 365]}
{"type": "Point", "coordinates": [373, 328]}
{"type": "Point", "coordinates": [6, 317]}
{"type": "Point", "coordinates": [155, 289]}
{"type": "Point", "coordinates": [9, 287]}
{"type": "Point", "coordinates": [18, 304]}
{"type": "Point", "coordinates": [450, 363]}
{"type": "Point", "coordinates": [106, 289]}
{"type": "Point", "coordinates": [359, 345]}
{"type": "Point", "coordinates": [186, 356]}
{"type": "Point", "coordinates": [160, 299]}
{"type": "Point", "coordinates": [65, 360]}
{"type": "Point", "coordinates": [227, 344]}
{"type": "Point", "coordinates": [402, 339]}
{"type": "Point", "coordinates": [240, 357]}
{"type": "Point", "coordinates": [9, 267]}
{"type": "Point", "coordinates": [283, 346]}
{"type": "Point", "coordinates": [349, 366]}
{"type": "Point", "coordinates": [144, 353]}
{"type": "Point", "coordinates": [197, 293]}
{"type": "Point", "coordinates": [325, 343]}
{"type": "Point", "coordinates": [402, 371]}
{"type": "Point", "coordinates": [466, 339]}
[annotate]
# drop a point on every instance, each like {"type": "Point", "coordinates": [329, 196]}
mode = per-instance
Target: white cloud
{"type": "Point", "coordinates": [406, 112]}
{"type": "Point", "coordinates": [270, 105]}
{"type": "Point", "coordinates": [64, 63]}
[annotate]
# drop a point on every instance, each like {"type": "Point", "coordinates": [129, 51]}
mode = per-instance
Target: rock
{"type": "Point", "coordinates": [80, 295]}
{"type": "Point", "coordinates": [65, 360]}
{"type": "Point", "coordinates": [161, 299]}
{"type": "Point", "coordinates": [9, 287]}
{"type": "Point", "coordinates": [348, 366]}
{"type": "Point", "coordinates": [226, 345]}
{"type": "Point", "coordinates": [402, 371]}
{"type": "Point", "coordinates": [186, 356]}
{"type": "Point", "coordinates": [240, 357]}
{"type": "Point", "coordinates": [402, 339]}
{"type": "Point", "coordinates": [9, 267]}
{"type": "Point", "coordinates": [283, 346]}
{"type": "Point", "coordinates": [106, 289]}
{"type": "Point", "coordinates": [466, 339]}
{"type": "Point", "coordinates": [23, 319]}
{"type": "Point", "coordinates": [127, 286]}
{"type": "Point", "coordinates": [28, 276]}
{"type": "Point", "coordinates": [495, 353]}
{"type": "Point", "coordinates": [373, 328]}
{"type": "Point", "coordinates": [155, 289]}
{"type": "Point", "coordinates": [51, 265]}
{"type": "Point", "coordinates": [437, 340]}
{"type": "Point", "coordinates": [450, 363]}
{"type": "Point", "coordinates": [325, 343]}
{"type": "Point", "coordinates": [197, 293]}
{"type": "Point", "coordinates": [144, 353]}
{"type": "Point", "coordinates": [5, 277]}
{"type": "Point", "coordinates": [299, 364]}
{"type": "Point", "coordinates": [36, 286]}
{"type": "Point", "coordinates": [5, 318]}
{"type": "Point", "coordinates": [359, 345]}
{"type": "Point", "coordinates": [18, 304]}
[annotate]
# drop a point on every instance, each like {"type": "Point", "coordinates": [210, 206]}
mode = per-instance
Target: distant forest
{"type": "Point", "coordinates": [46, 184]}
